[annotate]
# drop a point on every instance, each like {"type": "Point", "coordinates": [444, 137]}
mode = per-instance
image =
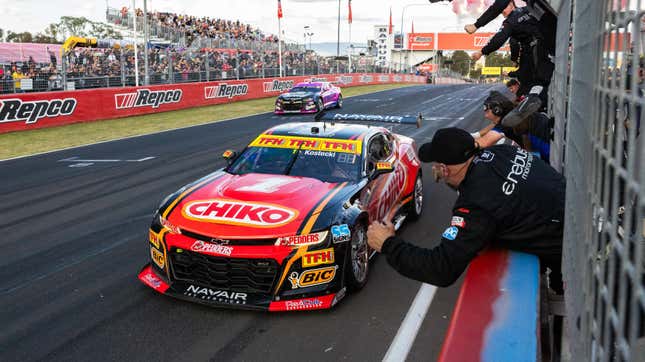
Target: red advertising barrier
{"type": "Point", "coordinates": [26, 111]}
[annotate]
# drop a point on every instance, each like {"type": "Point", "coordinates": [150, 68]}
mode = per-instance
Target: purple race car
{"type": "Point", "coordinates": [309, 98]}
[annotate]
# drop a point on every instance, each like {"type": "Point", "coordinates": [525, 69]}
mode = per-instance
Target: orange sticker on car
{"type": "Point", "coordinates": [318, 257]}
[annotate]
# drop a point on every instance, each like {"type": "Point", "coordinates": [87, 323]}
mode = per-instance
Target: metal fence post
{"type": "Point", "coordinates": [63, 65]}
{"type": "Point", "coordinates": [122, 60]}
{"type": "Point", "coordinates": [237, 65]}
{"type": "Point", "coordinates": [170, 66]}
{"type": "Point", "coordinates": [207, 65]}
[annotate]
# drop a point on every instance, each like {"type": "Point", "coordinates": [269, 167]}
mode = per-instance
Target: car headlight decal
{"type": "Point", "coordinates": [168, 225]}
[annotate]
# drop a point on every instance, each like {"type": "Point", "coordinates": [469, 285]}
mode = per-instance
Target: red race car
{"type": "Point", "coordinates": [283, 226]}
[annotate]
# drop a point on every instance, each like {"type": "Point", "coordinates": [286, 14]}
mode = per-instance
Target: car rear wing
{"type": "Point", "coordinates": [356, 117]}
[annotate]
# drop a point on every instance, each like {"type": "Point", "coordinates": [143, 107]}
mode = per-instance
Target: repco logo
{"type": "Point", "coordinates": [224, 90]}
{"type": "Point", "coordinates": [238, 213]}
{"type": "Point", "coordinates": [481, 41]}
{"type": "Point", "coordinates": [277, 85]}
{"type": "Point", "coordinates": [14, 110]}
{"type": "Point", "coordinates": [147, 98]}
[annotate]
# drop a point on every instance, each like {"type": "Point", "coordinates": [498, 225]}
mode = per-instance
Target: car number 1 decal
{"type": "Point", "coordinates": [340, 233]}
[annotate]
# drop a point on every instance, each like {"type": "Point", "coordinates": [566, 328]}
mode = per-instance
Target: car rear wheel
{"type": "Point", "coordinates": [319, 105]}
{"type": "Point", "coordinates": [339, 102]}
{"type": "Point", "coordinates": [416, 204]}
{"type": "Point", "coordinates": [357, 266]}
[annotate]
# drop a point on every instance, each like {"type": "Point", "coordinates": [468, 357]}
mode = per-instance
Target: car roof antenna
{"type": "Point", "coordinates": [320, 115]}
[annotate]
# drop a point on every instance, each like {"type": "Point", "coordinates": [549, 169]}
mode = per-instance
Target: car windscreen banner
{"type": "Point", "coordinates": [24, 111]}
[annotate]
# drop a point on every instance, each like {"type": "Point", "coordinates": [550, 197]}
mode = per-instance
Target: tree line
{"type": "Point", "coordinates": [56, 33]}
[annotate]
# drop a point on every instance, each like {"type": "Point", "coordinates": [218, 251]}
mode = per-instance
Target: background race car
{"type": "Point", "coordinates": [309, 98]}
{"type": "Point", "coordinates": [283, 226]}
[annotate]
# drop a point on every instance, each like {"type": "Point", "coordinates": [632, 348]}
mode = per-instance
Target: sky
{"type": "Point", "coordinates": [320, 15]}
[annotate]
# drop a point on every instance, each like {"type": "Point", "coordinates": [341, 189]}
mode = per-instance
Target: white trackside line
{"type": "Point", "coordinates": [406, 334]}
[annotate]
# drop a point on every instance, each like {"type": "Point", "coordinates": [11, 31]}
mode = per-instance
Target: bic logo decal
{"type": "Point", "coordinates": [312, 277]}
{"type": "Point", "coordinates": [318, 257]}
{"type": "Point", "coordinates": [340, 233]}
{"type": "Point", "coordinates": [451, 233]}
{"type": "Point", "coordinates": [158, 257]}
{"type": "Point", "coordinates": [253, 214]}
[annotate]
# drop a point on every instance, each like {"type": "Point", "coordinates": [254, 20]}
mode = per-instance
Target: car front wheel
{"type": "Point", "coordinates": [319, 105]}
{"type": "Point", "coordinates": [358, 259]}
{"type": "Point", "coordinates": [416, 204]}
{"type": "Point", "coordinates": [339, 102]}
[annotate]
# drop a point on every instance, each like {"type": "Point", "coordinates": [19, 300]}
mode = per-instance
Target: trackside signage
{"type": "Point", "coordinates": [15, 110]}
{"type": "Point", "coordinates": [277, 85]}
{"type": "Point", "coordinates": [147, 98]}
{"type": "Point", "coordinates": [32, 110]}
{"type": "Point", "coordinates": [225, 90]}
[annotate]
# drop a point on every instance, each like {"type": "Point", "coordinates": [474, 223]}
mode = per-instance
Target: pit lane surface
{"type": "Point", "coordinates": [74, 229]}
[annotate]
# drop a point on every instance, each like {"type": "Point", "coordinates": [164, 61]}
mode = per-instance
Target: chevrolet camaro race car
{"type": "Point", "coordinates": [310, 97]}
{"type": "Point", "coordinates": [283, 226]}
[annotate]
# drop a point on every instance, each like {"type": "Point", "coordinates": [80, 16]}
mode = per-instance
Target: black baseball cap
{"type": "Point", "coordinates": [451, 146]}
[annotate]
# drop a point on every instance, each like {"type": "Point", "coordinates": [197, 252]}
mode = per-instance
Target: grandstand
{"type": "Point", "coordinates": [181, 48]}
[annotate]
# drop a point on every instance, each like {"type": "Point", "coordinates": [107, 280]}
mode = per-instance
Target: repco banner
{"type": "Point", "coordinates": [26, 111]}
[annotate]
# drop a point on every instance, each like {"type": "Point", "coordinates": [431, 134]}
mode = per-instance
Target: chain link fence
{"type": "Point", "coordinates": [597, 96]}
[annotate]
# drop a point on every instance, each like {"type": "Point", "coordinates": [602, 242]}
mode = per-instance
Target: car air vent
{"type": "Point", "coordinates": [227, 241]}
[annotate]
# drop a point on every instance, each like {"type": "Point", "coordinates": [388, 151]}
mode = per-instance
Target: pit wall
{"type": "Point", "coordinates": [26, 111]}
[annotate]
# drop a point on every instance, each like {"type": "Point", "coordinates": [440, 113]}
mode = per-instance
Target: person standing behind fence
{"type": "Point", "coordinates": [535, 66]}
{"type": "Point", "coordinates": [17, 76]}
{"type": "Point", "coordinates": [507, 199]}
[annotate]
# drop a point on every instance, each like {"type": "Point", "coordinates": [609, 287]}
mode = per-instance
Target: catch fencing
{"type": "Point", "coordinates": [597, 96]}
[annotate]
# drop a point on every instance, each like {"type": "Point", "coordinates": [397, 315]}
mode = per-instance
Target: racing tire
{"type": "Point", "coordinates": [416, 204]}
{"type": "Point", "coordinates": [339, 101]}
{"type": "Point", "coordinates": [357, 266]}
{"type": "Point", "coordinates": [319, 105]}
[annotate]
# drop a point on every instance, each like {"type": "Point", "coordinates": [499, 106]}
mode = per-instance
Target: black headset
{"type": "Point", "coordinates": [496, 108]}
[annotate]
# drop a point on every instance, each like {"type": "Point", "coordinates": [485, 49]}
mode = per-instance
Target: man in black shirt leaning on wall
{"type": "Point", "coordinates": [507, 198]}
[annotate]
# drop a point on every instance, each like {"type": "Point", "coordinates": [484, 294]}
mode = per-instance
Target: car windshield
{"type": "Point", "coordinates": [305, 89]}
{"type": "Point", "coordinates": [326, 166]}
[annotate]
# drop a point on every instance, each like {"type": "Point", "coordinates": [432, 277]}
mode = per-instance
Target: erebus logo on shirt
{"type": "Point", "coordinates": [147, 98]}
{"type": "Point", "coordinates": [277, 85]}
{"type": "Point", "coordinates": [224, 90]}
{"type": "Point", "coordinates": [14, 110]}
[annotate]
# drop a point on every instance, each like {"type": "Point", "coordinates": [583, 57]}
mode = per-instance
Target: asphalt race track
{"type": "Point", "coordinates": [74, 226]}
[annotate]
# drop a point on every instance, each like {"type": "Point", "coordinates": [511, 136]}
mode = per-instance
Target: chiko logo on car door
{"type": "Point", "coordinates": [386, 192]}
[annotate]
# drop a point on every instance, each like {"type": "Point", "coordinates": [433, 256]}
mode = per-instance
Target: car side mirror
{"type": "Point", "coordinates": [381, 168]}
{"type": "Point", "coordinates": [229, 156]}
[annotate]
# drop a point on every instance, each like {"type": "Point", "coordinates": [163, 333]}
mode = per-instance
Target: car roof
{"type": "Point", "coordinates": [309, 84]}
{"type": "Point", "coordinates": [324, 130]}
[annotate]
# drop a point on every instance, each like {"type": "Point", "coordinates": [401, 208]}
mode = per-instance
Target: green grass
{"type": "Point", "coordinates": [22, 143]}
